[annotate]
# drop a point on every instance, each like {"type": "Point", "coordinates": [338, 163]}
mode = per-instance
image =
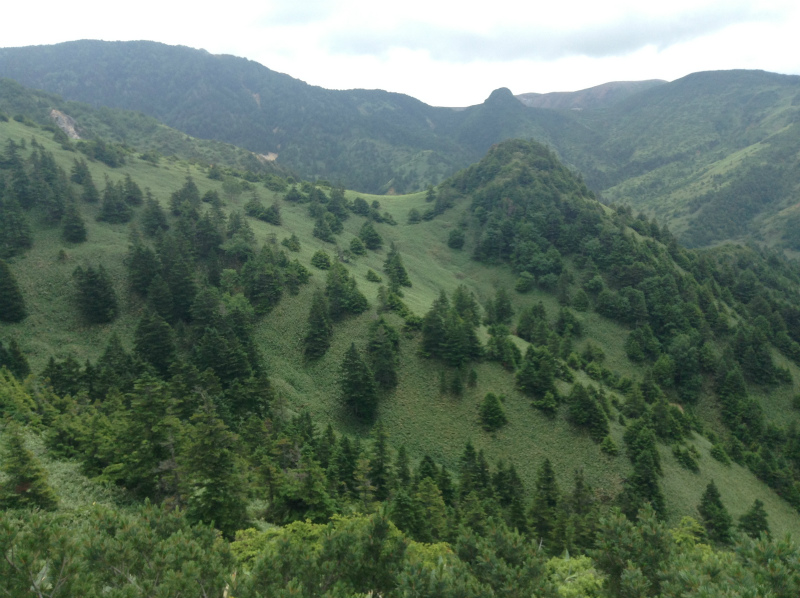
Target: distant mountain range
{"type": "Point", "coordinates": [696, 152]}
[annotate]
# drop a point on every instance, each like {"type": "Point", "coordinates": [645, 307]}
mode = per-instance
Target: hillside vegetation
{"type": "Point", "coordinates": [500, 368]}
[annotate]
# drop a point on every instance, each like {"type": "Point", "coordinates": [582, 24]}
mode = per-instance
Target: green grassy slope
{"type": "Point", "coordinates": [417, 414]}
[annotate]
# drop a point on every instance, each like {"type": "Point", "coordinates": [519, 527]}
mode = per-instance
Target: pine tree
{"type": "Point", "coordinates": [357, 386]}
{"type": "Point", "coordinates": [344, 297]}
{"type": "Point", "coordinates": [12, 304]}
{"type": "Point", "coordinates": [14, 359]}
{"type": "Point", "coordinates": [15, 230]}
{"type": "Point", "coordinates": [131, 192]}
{"type": "Point", "coordinates": [114, 209]}
{"type": "Point", "coordinates": [754, 521]}
{"type": "Point", "coordinates": [715, 516]}
{"type": "Point", "coordinates": [73, 228]}
{"type": "Point", "coordinates": [90, 194]}
{"type": "Point", "coordinates": [97, 299]}
{"type": "Point", "coordinates": [395, 271]}
{"type": "Point", "coordinates": [26, 480]}
{"type": "Point", "coordinates": [320, 329]}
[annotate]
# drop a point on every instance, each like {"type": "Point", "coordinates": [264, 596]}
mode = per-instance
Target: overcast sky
{"type": "Point", "coordinates": [443, 52]}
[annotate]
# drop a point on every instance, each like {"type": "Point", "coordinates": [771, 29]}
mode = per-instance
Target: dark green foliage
{"type": "Point", "coordinates": [291, 243]}
{"type": "Point", "coordinates": [502, 349]}
{"type": "Point", "coordinates": [322, 230]}
{"type": "Point", "coordinates": [370, 236]}
{"type": "Point", "coordinates": [449, 335]}
{"type": "Point", "coordinates": [586, 412]}
{"type": "Point", "coordinates": [358, 391]}
{"type": "Point", "coordinates": [131, 192]}
{"type": "Point", "coordinates": [14, 360]}
{"type": "Point", "coordinates": [491, 413]}
{"type": "Point", "coordinates": [25, 486]}
{"type": "Point", "coordinates": [97, 300]}
{"type": "Point", "coordinates": [455, 240]}
{"type": "Point", "coordinates": [12, 303]}
{"type": "Point", "coordinates": [90, 194]}
{"type": "Point", "coordinates": [500, 310]}
{"type": "Point", "coordinates": [546, 497]}
{"type": "Point", "coordinates": [383, 349]}
{"type": "Point", "coordinates": [344, 298]}
{"type": "Point", "coordinates": [15, 230]}
{"type": "Point", "coordinates": [372, 276]}
{"type": "Point", "coordinates": [114, 209]}
{"type": "Point", "coordinates": [357, 246]}
{"type": "Point", "coordinates": [187, 197]}
{"type": "Point", "coordinates": [73, 228]}
{"type": "Point", "coordinates": [214, 485]}
{"type": "Point", "coordinates": [80, 171]}
{"type": "Point", "coordinates": [143, 265]}
{"type": "Point", "coordinates": [321, 260]}
{"type": "Point", "coordinates": [536, 376]}
{"type": "Point", "coordinates": [320, 328]}
{"type": "Point", "coordinates": [754, 521]}
{"type": "Point", "coordinates": [154, 220]}
{"type": "Point", "coordinates": [153, 342]}
{"type": "Point", "coordinates": [714, 515]}
{"type": "Point", "coordinates": [395, 271]}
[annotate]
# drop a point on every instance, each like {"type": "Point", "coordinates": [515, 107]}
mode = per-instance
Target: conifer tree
{"type": "Point", "coordinates": [154, 220]}
{"type": "Point", "coordinates": [131, 192]}
{"type": "Point", "coordinates": [432, 512]}
{"type": "Point", "coordinates": [114, 209]}
{"type": "Point", "coordinates": [15, 230]}
{"type": "Point", "coordinates": [320, 329]}
{"type": "Point", "coordinates": [26, 484]}
{"type": "Point", "coordinates": [344, 297]}
{"type": "Point", "coordinates": [492, 415]}
{"type": "Point", "coordinates": [715, 516]}
{"type": "Point", "coordinates": [382, 348]}
{"type": "Point", "coordinates": [754, 521]}
{"type": "Point", "coordinates": [97, 299]}
{"type": "Point", "coordinates": [215, 488]}
{"type": "Point", "coordinates": [544, 508]}
{"type": "Point", "coordinates": [357, 386]}
{"type": "Point", "coordinates": [90, 194]}
{"type": "Point", "coordinates": [370, 236]}
{"type": "Point", "coordinates": [73, 228]}
{"type": "Point", "coordinates": [395, 271]}
{"type": "Point", "coordinates": [12, 304]}
{"type": "Point", "coordinates": [142, 264]}
{"type": "Point", "coordinates": [153, 342]}
{"type": "Point", "coordinates": [14, 359]}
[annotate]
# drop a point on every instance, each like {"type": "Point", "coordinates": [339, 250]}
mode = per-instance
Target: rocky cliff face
{"type": "Point", "coordinates": [65, 123]}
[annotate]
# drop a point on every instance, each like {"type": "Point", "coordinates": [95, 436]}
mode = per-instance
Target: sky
{"type": "Point", "coordinates": [443, 52]}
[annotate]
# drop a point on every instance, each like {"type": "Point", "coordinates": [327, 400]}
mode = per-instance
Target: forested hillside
{"type": "Point", "coordinates": [495, 387]}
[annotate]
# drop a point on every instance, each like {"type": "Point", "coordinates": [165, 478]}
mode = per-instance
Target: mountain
{"type": "Point", "coordinates": [592, 98]}
{"type": "Point", "coordinates": [501, 362]}
{"type": "Point", "coordinates": [693, 152]}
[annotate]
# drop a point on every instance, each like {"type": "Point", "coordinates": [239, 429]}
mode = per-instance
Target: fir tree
{"type": "Point", "coordinates": [15, 230]}
{"type": "Point", "coordinates": [132, 194]}
{"type": "Point", "coordinates": [73, 228]}
{"type": "Point", "coordinates": [395, 271]}
{"type": "Point", "coordinates": [320, 329]}
{"type": "Point", "coordinates": [25, 486]}
{"type": "Point", "coordinates": [12, 304]}
{"type": "Point", "coordinates": [492, 415]}
{"type": "Point", "coordinates": [754, 521]}
{"type": "Point", "coordinates": [370, 236]}
{"type": "Point", "coordinates": [153, 342]}
{"type": "Point", "coordinates": [114, 209]}
{"type": "Point", "coordinates": [215, 488]}
{"type": "Point", "coordinates": [97, 299]}
{"type": "Point", "coordinates": [383, 347]}
{"type": "Point", "coordinates": [357, 386]}
{"type": "Point", "coordinates": [381, 475]}
{"type": "Point", "coordinates": [142, 264]}
{"type": "Point", "coordinates": [14, 359]}
{"type": "Point", "coordinates": [90, 194]}
{"type": "Point", "coordinates": [544, 508]}
{"type": "Point", "coordinates": [715, 516]}
{"type": "Point", "coordinates": [344, 298]}
{"type": "Point", "coordinates": [154, 220]}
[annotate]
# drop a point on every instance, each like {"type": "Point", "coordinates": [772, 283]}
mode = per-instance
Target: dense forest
{"type": "Point", "coordinates": [158, 321]}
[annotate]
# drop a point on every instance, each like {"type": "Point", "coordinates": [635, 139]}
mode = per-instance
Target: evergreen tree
{"type": "Point", "coordinates": [585, 411]}
{"type": "Point", "coordinates": [715, 516]}
{"type": "Point", "coordinates": [380, 469]}
{"type": "Point", "coordinates": [73, 228]}
{"type": "Point", "coordinates": [97, 299]}
{"type": "Point", "coordinates": [14, 360]}
{"type": "Point", "coordinates": [395, 271]}
{"type": "Point", "coordinates": [357, 386]}
{"type": "Point", "coordinates": [90, 194]}
{"type": "Point", "coordinates": [432, 512]}
{"type": "Point", "coordinates": [754, 521]}
{"type": "Point", "coordinates": [383, 347]}
{"type": "Point", "coordinates": [370, 236]}
{"type": "Point", "coordinates": [492, 415]}
{"type": "Point", "coordinates": [131, 192]}
{"type": "Point", "coordinates": [114, 208]}
{"type": "Point", "coordinates": [159, 299]}
{"type": "Point", "coordinates": [544, 508]}
{"type": "Point", "coordinates": [154, 220]}
{"type": "Point", "coordinates": [320, 328]}
{"type": "Point", "coordinates": [80, 171]}
{"type": "Point", "coordinates": [26, 484]}
{"type": "Point", "coordinates": [215, 488]}
{"type": "Point", "coordinates": [15, 230]}
{"type": "Point", "coordinates": [153, 342]}
{"type": "Point", "coordinates": [142, 264]}
{"type": "Point", "coordinates": [344, 298]}
{"type": "Point", "coordinates": [12, 304]}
